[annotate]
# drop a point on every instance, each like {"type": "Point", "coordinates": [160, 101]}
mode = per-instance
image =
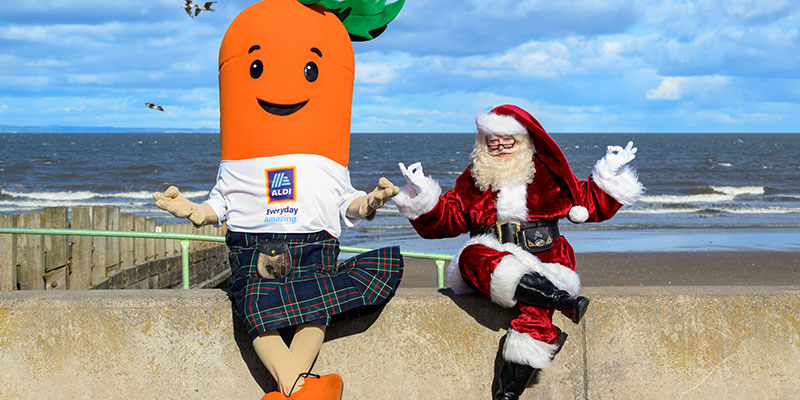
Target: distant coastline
{"type": "Point", "coordinates": [98, 129]}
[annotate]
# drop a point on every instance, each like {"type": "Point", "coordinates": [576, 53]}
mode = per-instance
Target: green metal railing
{"type": "Point", "coordinates": [185, 238]}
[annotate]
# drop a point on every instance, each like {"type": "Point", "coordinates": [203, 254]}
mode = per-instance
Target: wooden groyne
{"type": "Point", "coordinates": [58, 262]}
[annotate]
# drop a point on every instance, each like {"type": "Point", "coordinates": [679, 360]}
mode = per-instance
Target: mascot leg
{"type": "Point", "coordinates": [536, 290]}
{"type": "Point", "coordinates": [514, 378]}
{"type": "Point", "coordinates": [305, 348]}
{"type": "Point", "coordinates": [306, 344]}
{"type": "Point", "coordinates": [280, 362]}
{"type": "Point", "coordinates": [290, 365]}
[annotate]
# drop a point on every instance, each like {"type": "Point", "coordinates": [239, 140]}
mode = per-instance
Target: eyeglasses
{"type": "Point", "coordinates": [495, 144]}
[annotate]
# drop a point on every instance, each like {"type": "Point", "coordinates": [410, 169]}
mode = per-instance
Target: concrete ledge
{"type": "Point", "coordinates": [654, 343]}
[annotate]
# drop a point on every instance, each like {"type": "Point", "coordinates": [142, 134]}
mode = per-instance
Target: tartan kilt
{"type": "Point", "coordinates": [316, 288]}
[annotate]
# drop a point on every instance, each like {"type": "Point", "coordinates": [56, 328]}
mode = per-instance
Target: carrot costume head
{"type": "Point", "coordinates": [286, 71]}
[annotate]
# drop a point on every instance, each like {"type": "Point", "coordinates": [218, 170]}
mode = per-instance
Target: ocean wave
{"type": "Point", "coordinates": [381, 227]}
{"type": "Point", "coordinates": [719, 194]}
{"type": "Point", "coordinates": [706, 210]}
{"type": "Point", "coordinates": [676, 210]}
{"type": "Point", "coordinates": [29, 205]}
{"type": "Point", "coordinates": [89, 195]}
{"type": "Point", "coordinates": [738, 190]}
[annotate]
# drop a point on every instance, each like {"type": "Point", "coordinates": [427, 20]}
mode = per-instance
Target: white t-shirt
{"type": "Point", "coordinates": [294, 193]}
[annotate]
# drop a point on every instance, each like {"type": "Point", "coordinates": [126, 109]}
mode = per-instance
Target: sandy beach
{"type": "Point", "coordinates": [697, 268]}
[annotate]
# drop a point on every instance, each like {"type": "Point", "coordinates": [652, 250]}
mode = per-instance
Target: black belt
{"type": "Point", "coordinates": [533, 236]}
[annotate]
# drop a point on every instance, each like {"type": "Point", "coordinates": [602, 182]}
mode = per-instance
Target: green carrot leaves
{"type": "Point", "coordinates": [363, 19]}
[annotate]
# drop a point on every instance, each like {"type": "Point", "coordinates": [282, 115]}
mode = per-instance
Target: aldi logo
{"type": "Point", "coordinates": [280, 184]}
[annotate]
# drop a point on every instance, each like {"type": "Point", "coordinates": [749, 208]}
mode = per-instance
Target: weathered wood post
{"type": "Point", "coordinates": [139, 249]}
{"type": "Point", "coordinates": [56, 253]}
{"type": "Point", "coordinates": [126, 245]}
{"type": "Point", "coordinates": [30, 254]}
{"type": "Point", "coordinates": [149, 243]}
{"type": "Point", "coordinates": [99, 244]}
{"type": "Point", "coordinates": [161, 244]}
{"type": "Point", "coordinates": [81, 271]}
{"type": "Point", "coordinates": [113, 252]}
{"type": "Point", "coordinates": [174, 246]}
{"type": "Point", "coordinates": [8, 254]}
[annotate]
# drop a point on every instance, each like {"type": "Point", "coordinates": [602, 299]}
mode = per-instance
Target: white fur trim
{"type": "Point", "coordinates": [578, 214]}
{"type": "Point", "coordinates": [499, 125]}
{"type": "Point", "coordinates": [506, 276]}
{"type": "Point", "coordinates": [412, 204]}
{"type": "Point", "coordinates": [512, 203]}
{"type": "Point", "coordinates": [454, 279]}
{"type": "Point", "coordinates": [505, 279]}
{"type": "Point", "coordinates": [624, 186]}
{"type": "Point", "coordinates": [521, 348]}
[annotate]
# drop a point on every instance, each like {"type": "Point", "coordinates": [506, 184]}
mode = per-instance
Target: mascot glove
{"type": "Point", "coordinates": [377, 198]}
{"type": "Point", "coordinates": [616, 157]}
{"type": "Point", "coordinates": [173, 202]}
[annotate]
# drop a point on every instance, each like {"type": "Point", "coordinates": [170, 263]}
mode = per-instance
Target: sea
{"type": "Point", "coordinates": [705, 192]}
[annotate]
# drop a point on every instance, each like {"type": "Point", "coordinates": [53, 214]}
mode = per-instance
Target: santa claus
{"type": "Point", "coordinates": [510, 200]}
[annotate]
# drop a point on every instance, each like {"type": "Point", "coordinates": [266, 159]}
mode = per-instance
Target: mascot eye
{"type": "Point", "coordinates": [256, 69]}
{"type": "Point", "coordinates": [311, 71]}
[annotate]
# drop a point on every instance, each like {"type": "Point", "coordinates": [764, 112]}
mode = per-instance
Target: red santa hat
{"type": "Point", "coordinates": [508, 120]}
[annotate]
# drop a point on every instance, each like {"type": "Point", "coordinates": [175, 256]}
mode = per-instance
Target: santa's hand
{"type": "Point", "coordinates": [377, 198]}
{"type": "Point", "coordinates": [616, 157]}
{"type": "Point", "coordinates": [414, 176]}
{"type": "Point", "coordinates": [174, 203]}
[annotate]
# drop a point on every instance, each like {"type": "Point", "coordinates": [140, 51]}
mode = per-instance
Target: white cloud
{"type": "Point", "coordinates": [750, 8]}
{"type": "Point", "coordinates": [375, 74]}
{"type": "Point", "coordinates": [90, 78]}
{"type": "Point", "coordinates": [200, 95]}
{"type": "Point", "coordinates": [676, 87]}
{"type": "Point", "coordinates": [669, 89]}
{"type": "Point", "coordinates": [532, 59]}
{"type": "Point", "coordinates": [47, 63]}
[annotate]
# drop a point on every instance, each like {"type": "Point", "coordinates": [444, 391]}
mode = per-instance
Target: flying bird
{"type": "Point", "coordinates": [154, 106]}
{"type": "Point", "coordinates": [188, 7]}
{"type": "Point", "coordinates": [204, 7]}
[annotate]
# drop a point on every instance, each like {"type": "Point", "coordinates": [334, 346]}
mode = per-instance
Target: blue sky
{"type": "Point", "coordinates": [577, 66]}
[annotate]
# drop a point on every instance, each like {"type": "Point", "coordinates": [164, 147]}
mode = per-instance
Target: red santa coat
{"type": "Point", "coordinates": [493, 268]}
{"type": "Point", "coordinates": [467, 209]}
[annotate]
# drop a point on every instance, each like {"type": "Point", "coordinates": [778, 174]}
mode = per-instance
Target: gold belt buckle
{"type": "Point", "coordinates": [517, 228]}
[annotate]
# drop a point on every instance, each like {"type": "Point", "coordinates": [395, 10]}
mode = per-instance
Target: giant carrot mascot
{"type": "Point", "coordinates": [286, 71]}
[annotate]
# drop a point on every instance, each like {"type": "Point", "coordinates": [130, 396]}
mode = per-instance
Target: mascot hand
{"type": "Point", "coordinates": [173, 202]}
{"type": "Point", "coordinates": [616, 157]}
{"type": "Point", "coordinates": [377, 198]}
{"type": "Point", "coordinates": [415, 178]}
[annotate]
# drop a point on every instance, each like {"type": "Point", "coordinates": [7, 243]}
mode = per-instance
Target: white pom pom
{"type": "Point", "coordinates": [578, 214]}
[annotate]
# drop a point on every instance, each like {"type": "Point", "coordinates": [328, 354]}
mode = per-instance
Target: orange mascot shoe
{"type": "Point", "coordinates": [276, 395]}
{"type": "Point", "coordinates": [325, 387]}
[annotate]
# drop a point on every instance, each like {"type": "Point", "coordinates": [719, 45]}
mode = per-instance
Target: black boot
{"type": "Point", "coordinates": [513, 379]}
{"type": "Point", "coordinates": [537, 290]}
{"type": "Point", "coordinates": [562, 337]}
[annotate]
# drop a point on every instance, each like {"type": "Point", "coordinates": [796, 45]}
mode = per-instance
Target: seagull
{"type": "Point", "coordinates": [204, 7]}
{"type": "Point", "coordinates": [154, 106]}
{"type": "Point", "coordinates": [188, 7]}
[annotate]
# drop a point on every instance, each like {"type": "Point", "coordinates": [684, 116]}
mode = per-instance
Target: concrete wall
{"type": "Point", "coordinates": [635, 343]}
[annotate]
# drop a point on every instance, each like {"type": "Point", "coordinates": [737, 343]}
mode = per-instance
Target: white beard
{"type": "Point", "coordinates": [491, 171]}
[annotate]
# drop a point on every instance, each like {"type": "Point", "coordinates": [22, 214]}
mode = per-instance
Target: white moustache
{"type": "Point", "coordinates": [502, 151]}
